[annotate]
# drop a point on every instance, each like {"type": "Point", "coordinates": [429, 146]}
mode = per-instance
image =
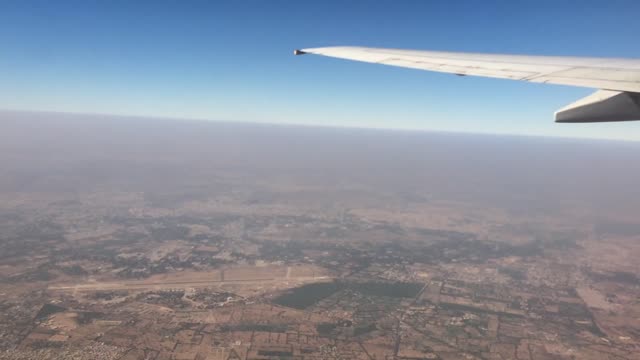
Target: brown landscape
{"type": "Point", "coordinates": [125, 238]}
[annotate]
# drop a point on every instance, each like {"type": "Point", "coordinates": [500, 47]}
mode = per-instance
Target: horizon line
{"type": "Point", "coordinates": [317, 125]}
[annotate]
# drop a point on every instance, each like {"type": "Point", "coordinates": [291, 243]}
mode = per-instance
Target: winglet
{"type": "Point", "coordinates": [298, 52]}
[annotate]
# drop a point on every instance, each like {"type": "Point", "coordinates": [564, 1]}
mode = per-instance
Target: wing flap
{"type": "Point", "coordinates": [461, 69]}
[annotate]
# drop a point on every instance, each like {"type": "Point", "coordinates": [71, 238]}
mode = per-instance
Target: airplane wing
{"type": "Point", "coordinates": [618, 80]}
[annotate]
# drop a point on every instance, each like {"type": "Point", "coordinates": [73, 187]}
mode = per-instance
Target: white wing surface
{"type": "Point", "coordinates": [619, 79]}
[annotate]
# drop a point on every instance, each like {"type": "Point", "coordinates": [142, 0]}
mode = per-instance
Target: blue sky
{"type": "Point", "coordinates": [233, 61]}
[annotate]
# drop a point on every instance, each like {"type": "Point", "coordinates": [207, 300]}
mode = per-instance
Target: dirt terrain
{"type": "Point", "coordinates": [277, 243]}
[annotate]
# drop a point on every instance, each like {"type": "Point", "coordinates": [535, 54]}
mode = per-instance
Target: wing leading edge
{"type": "Point", "coordinates": [618, 79]}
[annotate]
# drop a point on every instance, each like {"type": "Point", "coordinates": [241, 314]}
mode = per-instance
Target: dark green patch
{"type": "Point", "coordinates": [363, 329]}
{"type": "Point", "coordinates": [307, 295]}
{"type": "Point", "coordinates": [325, 329]}
{"type": "Point", "coordinates": [274, 328]}
{"type": "Point", "coordinates": [48, 309]}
